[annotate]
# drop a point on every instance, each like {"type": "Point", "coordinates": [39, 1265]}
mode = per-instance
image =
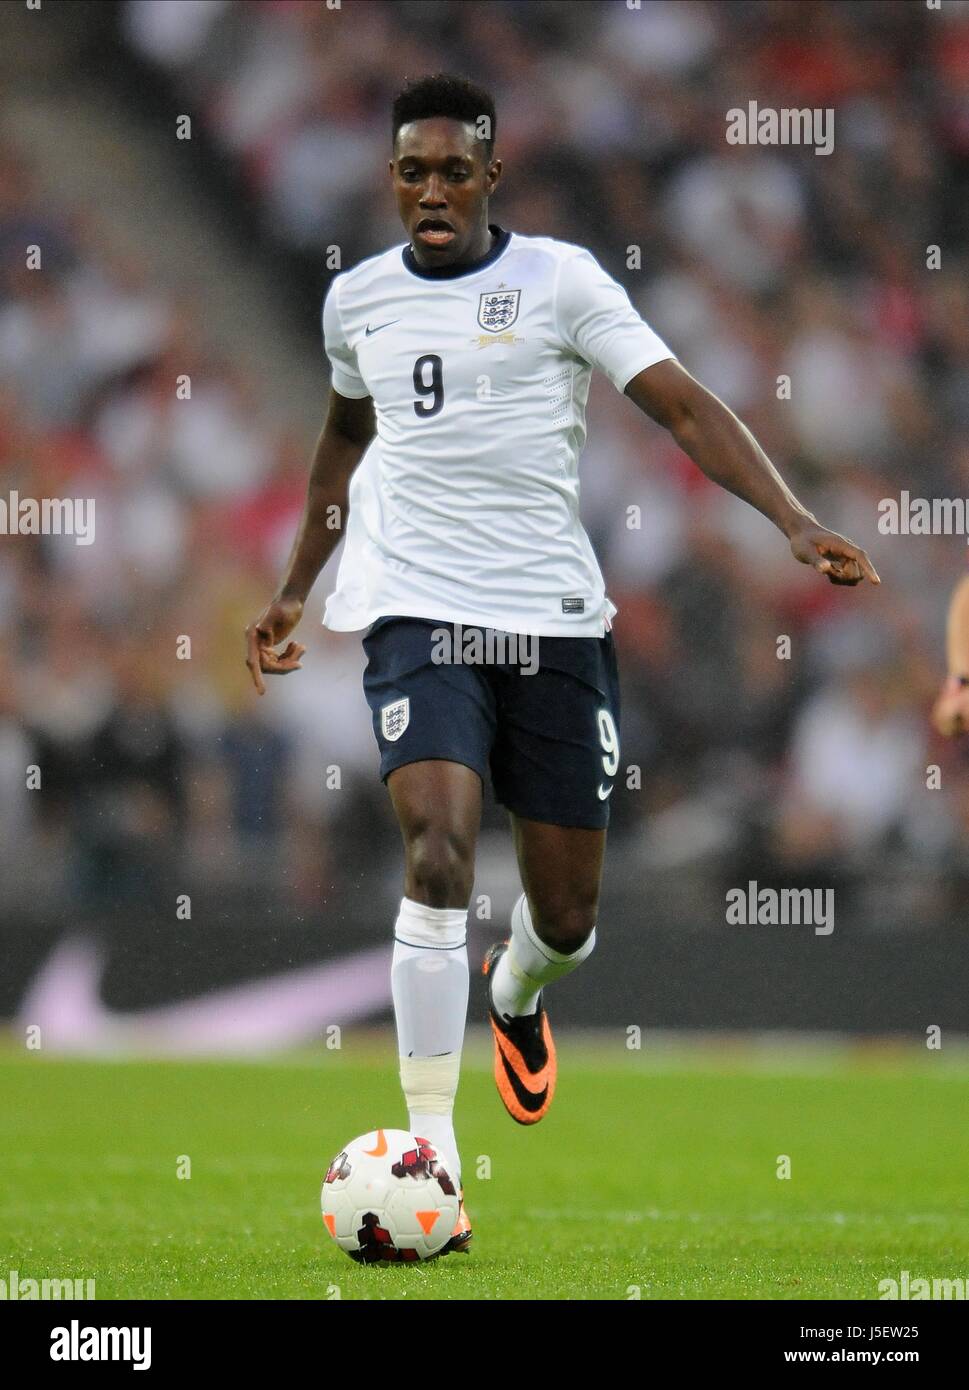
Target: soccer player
{"type": "Point", "coordinates": [951, 712]}
{"type": "Point", "coordinates": [460, 365]}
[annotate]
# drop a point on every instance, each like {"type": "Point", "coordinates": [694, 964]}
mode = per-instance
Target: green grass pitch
{"type": "Point", "coordinates": [651, 1174]}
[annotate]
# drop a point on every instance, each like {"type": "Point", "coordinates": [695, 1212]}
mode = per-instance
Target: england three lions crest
{"type": "Point", "coordinates": [498, 310]}
{"type": "Point", "coordinates": [394, 719]}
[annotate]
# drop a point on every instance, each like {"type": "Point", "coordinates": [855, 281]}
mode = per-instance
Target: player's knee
{"type": "Point", "coordinates": [440, 868]}
{"type": "Point", "coordinates": [565, 927]}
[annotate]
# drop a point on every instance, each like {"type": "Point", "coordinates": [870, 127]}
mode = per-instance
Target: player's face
{"type": "Point", "coordinates": [442, 182]}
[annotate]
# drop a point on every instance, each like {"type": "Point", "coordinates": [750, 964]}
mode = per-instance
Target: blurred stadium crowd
{"type": "Point", "coordinates": [756, 263]}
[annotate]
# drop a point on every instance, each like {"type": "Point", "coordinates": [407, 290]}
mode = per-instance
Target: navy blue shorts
{"type": "Point", "coordinates": [545, 724]}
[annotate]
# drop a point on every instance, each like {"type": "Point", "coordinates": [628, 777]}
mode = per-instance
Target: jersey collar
{"type": "Point", "coordinates": [448, 272]}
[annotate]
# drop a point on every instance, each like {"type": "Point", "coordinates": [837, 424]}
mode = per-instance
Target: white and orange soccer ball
{"type": "Point", "coordinates": [389, 1197]}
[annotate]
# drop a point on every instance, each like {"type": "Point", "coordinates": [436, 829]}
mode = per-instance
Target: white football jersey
{"type": "Point", "coordinates": [465, 508]}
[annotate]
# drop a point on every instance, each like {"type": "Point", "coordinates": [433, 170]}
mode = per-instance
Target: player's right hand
{"type": "Point", "coordinates": [950, 714]}
{"type": "Point", "coordinates": [273, 627]}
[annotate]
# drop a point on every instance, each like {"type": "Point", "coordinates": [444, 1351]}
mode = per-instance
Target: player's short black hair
{"type": "Point", "coordinates": [443, 94]}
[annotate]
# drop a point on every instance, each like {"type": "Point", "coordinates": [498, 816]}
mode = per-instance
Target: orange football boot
{"type": "Point", "coordinates": [525, 1067]}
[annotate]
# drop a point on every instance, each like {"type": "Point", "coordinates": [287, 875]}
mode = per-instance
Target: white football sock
{"type": "Point", "coordinates": [528, 965]}
{"type": "Point", "coordinates": [429, 982]}
{"type": "Point", "coordinates": [439, 1129]}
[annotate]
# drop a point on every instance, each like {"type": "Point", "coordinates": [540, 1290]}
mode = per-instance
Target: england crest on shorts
{"type": "Point", "coordinates": [394, 719]}
{"type": "Point", "coordinates": [498, 310]}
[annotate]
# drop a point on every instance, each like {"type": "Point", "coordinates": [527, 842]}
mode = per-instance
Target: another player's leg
{"type": "Point", "coordinates": [552, 932]}
{"type": "Point", "coordinates": [438, 807]}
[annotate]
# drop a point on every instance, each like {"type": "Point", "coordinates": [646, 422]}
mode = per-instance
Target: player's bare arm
{"type": "Point", "coordinates": [951, 712]}
{"type": "Point", "coordinates": [348, 430]}
{"type": "Point", "coordinates": [726, 451]}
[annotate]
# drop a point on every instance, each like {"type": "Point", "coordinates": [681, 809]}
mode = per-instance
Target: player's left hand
{"type": "Point", "coordinates": [837, 557]}
{"type": "Point", "coordinates": [272, 628]}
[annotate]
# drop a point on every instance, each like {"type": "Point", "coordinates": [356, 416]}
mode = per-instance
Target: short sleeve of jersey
{"type": "Point", "coordinates": [345, 376]}
{"type": "Point", "coordinates": [598, 322]}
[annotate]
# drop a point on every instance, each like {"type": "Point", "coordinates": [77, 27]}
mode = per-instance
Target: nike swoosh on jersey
{"type": "Point", "coordinates": [604, 795]}
{"type": "Point", "coordinates": [372, 331]}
